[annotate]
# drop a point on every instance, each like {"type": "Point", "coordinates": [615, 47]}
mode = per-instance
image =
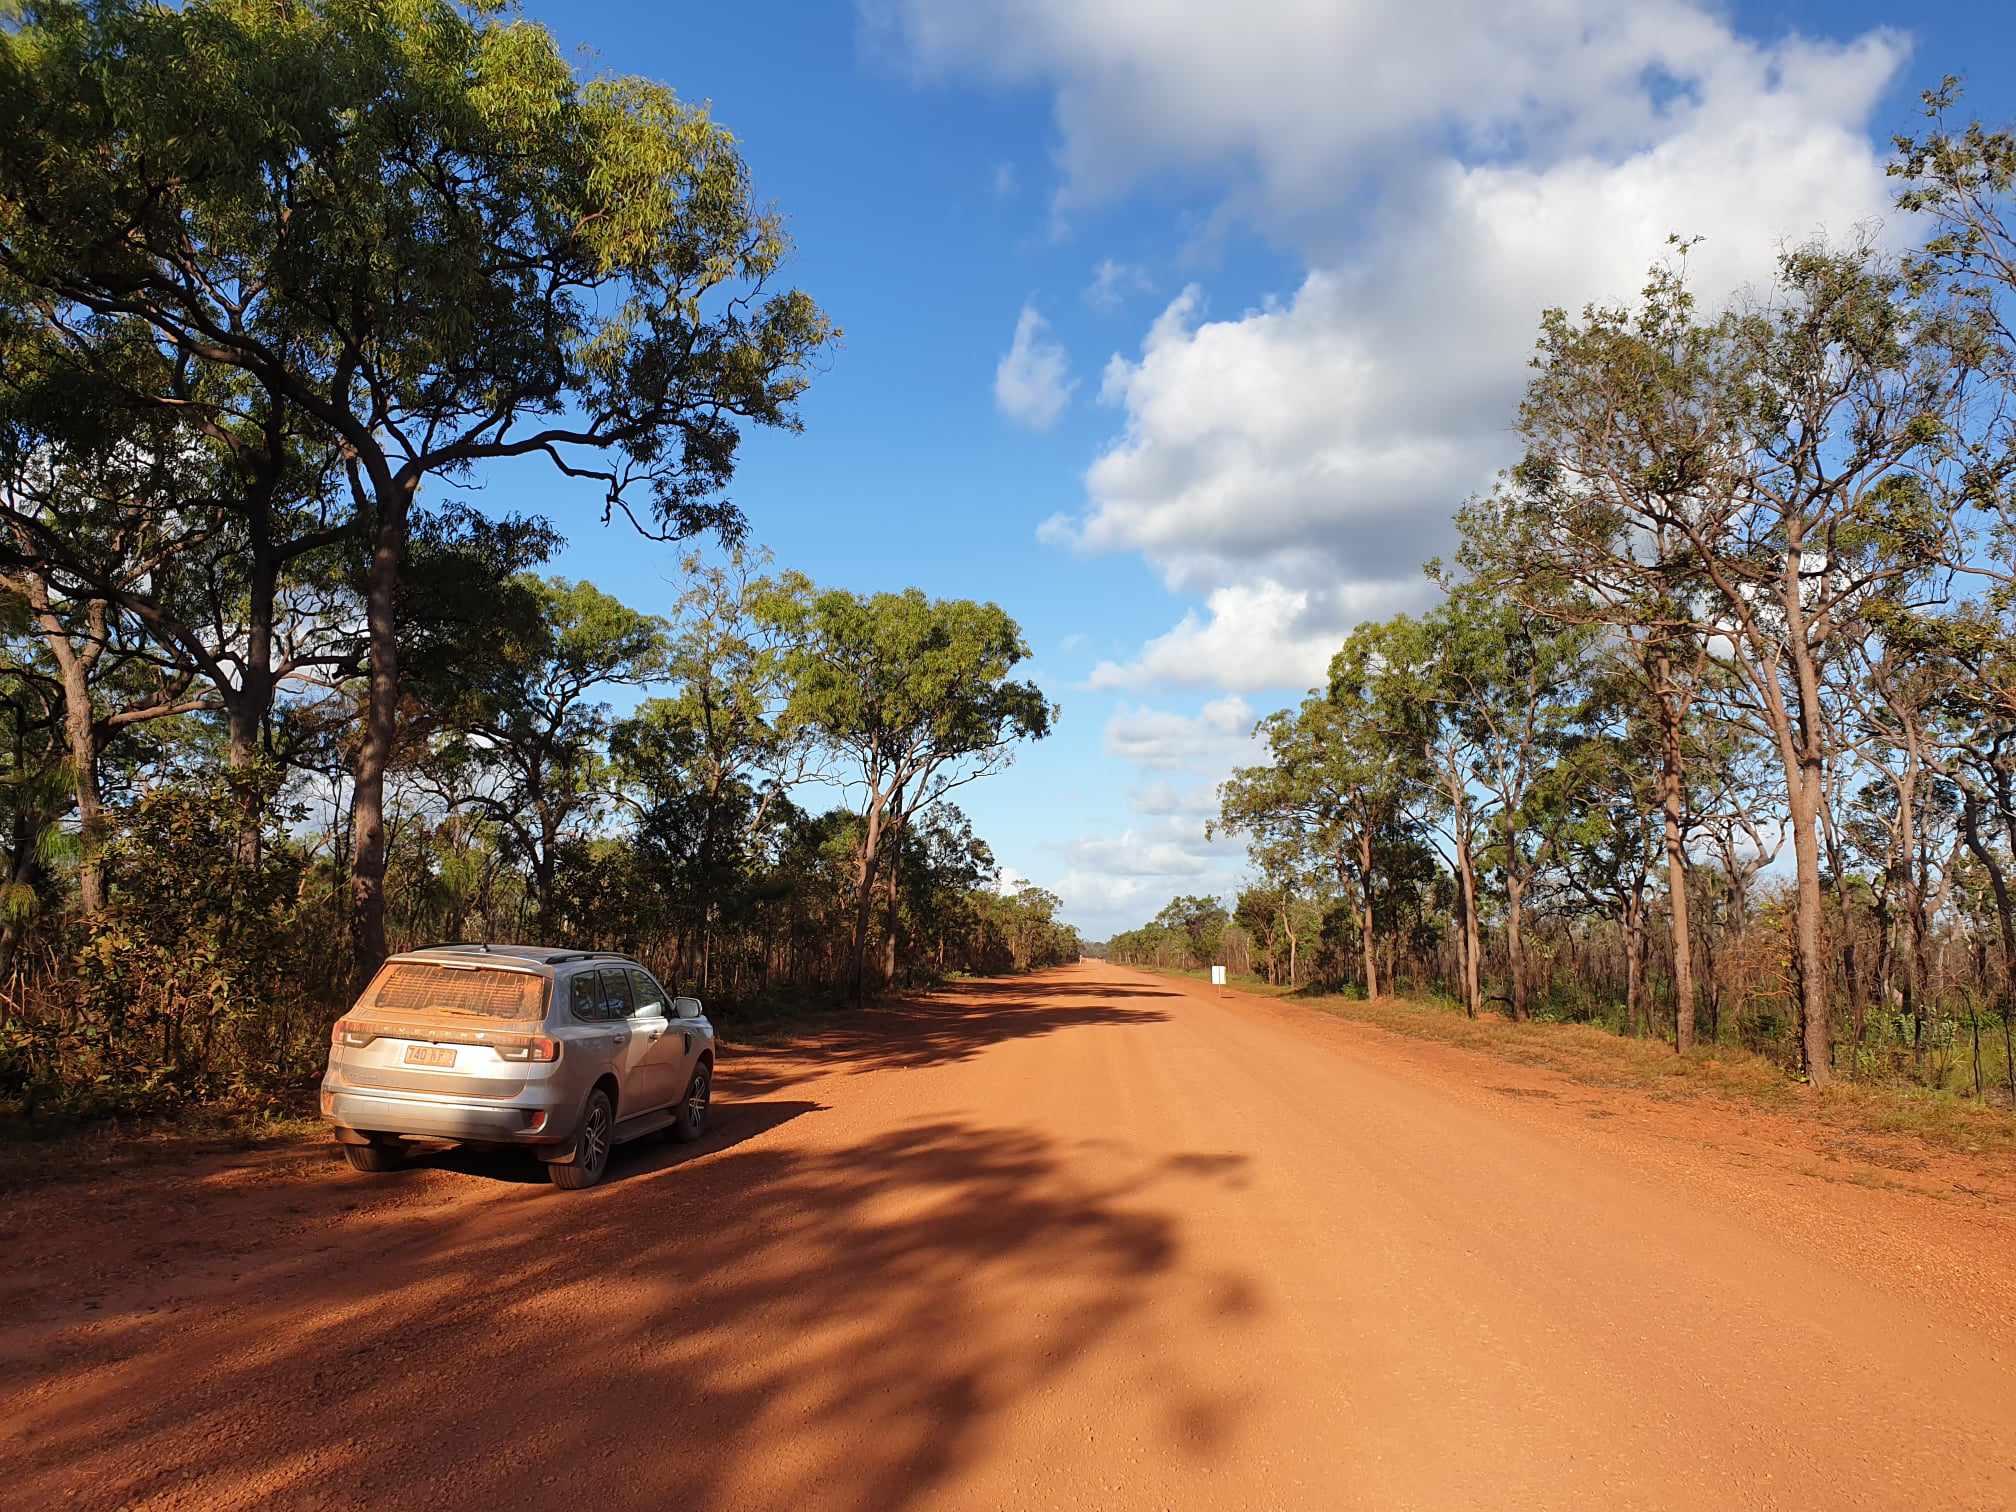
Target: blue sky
{"type": "Point", "coordinates": [1326, 234]}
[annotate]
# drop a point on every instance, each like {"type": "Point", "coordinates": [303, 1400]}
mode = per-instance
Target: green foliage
{"type": "Point", "coordinates": [909, 686]}
{"type": "Point", "coordinates": [203, 972]}
{"type": "Point", "coordinates": [418, 225]}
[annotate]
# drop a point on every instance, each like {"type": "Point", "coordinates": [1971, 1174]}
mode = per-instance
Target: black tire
{"type": "Point", "coordinates": [592, 1146]}
{"type": "Point", "coordinates": [376, 1158]}
{"type": "Point", "coordinates": [692, 1120]}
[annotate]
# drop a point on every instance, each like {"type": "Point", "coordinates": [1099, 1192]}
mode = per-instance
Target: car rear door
{"type": "Point", "coordinates": [605, 1041]}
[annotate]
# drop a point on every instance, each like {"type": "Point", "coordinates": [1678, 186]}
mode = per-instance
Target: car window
{"type": "Point", "coordinates": [650, 996]}
{"type": "Point", "coordinates": [585, 995]}
{"type": "Point", "coordinates": [617, 1002]}
{"type": "Point", "coordinates": [426, 989]}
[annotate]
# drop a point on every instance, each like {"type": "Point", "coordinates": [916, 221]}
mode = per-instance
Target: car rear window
{"type": "Point", "coordinates": [417, 989]}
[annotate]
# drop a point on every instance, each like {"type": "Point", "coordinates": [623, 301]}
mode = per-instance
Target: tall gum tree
{"type": "Point", "coordinates": [1336, 786]}
{"type": "Point", "coordinates": [1507, 690]}
{"type": "Point", "coordinates": [529, 737]}
{"type": "Point", "coordinates": [709, 760]}
{"type": "Point", "coordinates": [1749, 483]}
{"type": "Point", "coordinates": [171, 569]}
{"type": "Point", "coordinates": [412, 225]}
{"type": "Point", "coordinates": [914, 698]}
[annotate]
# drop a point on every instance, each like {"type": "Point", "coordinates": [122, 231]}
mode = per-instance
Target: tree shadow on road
{"type": "Point", "coordinates": [763, 1323]}
{"type": "Point", "coordinates": [933, 1029]}
{"type": "Point", "coordinates": [728, 1124]}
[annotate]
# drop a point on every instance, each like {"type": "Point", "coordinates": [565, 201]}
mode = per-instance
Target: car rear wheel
{"type": "Point", "coordinates": [692, 1120]}
{"type": "Point", "coordinates": [591, 1146]}
{"type": "Point", "coordinates": [374, 1157]}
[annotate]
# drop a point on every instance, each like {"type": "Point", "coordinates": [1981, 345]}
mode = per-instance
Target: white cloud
{"type": "Point", "coordinates": [1115, 881]}
{"type": "Point", "coordinates": [1166, 800]}
{"type": "Point", "coordinates": [1033, 381]}
{"type": "Point", "coordinates": [1132, 854]}
{"type": "Point", "coordinates": [1211, 741]}
{"type": "Point", "coordinates": [1006, 181]}
{"type": "Point", "coordinates": [1102, 905]}
{"type": "Point", "coordinates": [1255, 97]}
{"type": "Point", "coordinates": [1292, 464]}
{"type": "Point", "coordinates": [1258, 635]}
{"type": "Point", "coordinates": [1113, 283]}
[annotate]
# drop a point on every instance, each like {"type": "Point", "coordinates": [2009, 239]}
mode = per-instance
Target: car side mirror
{"type": "Point", "coordinates": [686, 1007]}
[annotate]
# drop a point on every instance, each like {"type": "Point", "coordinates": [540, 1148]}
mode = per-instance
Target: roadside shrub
{"type": "Point", "coordinates": [209, 973]}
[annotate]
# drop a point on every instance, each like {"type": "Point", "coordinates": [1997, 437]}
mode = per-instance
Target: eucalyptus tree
{"type": "Point", "coordinates": [1417, 692]}
{"type": "Point", "coordinates": [163, 581]}
{"type": "Point", "coordinates": [1625, 441]}
{"type": "Point", "coordinates": [914, 698]}
{"type": "Point", "coordinates": [1896, 712]}
{"type": "Point", "coordinates": [1337, 784]}
{"type": "Point", "coordinates": [1282, 905]}
{"type": "Point", "coordinates": [947, 881]}
{"type": "Point", "coordinates": [703, 766]}
{"type": "Point", "coordinates": [1745, 484]}
{"type": "Point", "coordinates": [1603, 802]}
{"type": "Point", "coordinates": [1511, 688]}
{"type": "Point", "coordinates": [416, 231]}
{"type": "Point", "coordinates": [110, 677]}
{"type": "Point", "coordinates": [1199, 921]}
{"type": "Point", "coordinates": [35, 782]}
{"type": "Point", "coordinates": [525, 748]}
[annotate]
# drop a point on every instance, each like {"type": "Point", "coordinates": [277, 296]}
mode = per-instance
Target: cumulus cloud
{"type": "Point", "coordinates": [1213, 740]}
{"type": "Point", "coordinates": [1115, 880]}
{"type": "Point", "coordinates": [1258, 635]}
{"type": "Point", "coordinates": [1033, 382]}
{"type": "Point", "coordinates": [1132, 854]}
{"type": "Point", "coordinates": [1113, 283]}
{"type": "Point", "coordinates": [1167, 800]}
{"type": "Point", "coordinates": [1140, 91]}
{"type": "Point", "coordinates": [1102, 904]}
{"type": "Point", "coordinates": [1292, 464]}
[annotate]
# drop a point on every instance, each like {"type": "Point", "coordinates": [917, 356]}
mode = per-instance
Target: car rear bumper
{"type": "Point", "coordinates": [379, 1112]}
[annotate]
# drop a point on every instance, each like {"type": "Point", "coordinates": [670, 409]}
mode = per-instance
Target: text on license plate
{"type": "Point", "coordinates": [429, 1055]}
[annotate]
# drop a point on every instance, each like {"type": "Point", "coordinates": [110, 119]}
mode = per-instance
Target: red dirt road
{"type": "Point", "coordinates": [1083, 1240]}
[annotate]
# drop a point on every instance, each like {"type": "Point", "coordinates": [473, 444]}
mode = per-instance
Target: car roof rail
{"type": "Point", "coordinates": [456, 945]}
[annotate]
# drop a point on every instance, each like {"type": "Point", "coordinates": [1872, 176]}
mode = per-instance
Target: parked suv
{"type": "Point", "coordinates": [565, 1053]}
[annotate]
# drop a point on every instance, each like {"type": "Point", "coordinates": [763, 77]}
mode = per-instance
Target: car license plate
{"type": "Point", "coordinates": [429, 1055]}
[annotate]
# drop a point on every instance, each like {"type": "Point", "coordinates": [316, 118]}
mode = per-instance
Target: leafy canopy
{"type": "Point", "coordinates": [405, 219]}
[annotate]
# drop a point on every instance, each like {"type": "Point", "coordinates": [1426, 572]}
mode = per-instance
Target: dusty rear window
{"type": "Point", "coordinates": [414, 989]}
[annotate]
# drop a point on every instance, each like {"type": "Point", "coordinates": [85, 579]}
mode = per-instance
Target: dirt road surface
{"type": "Point", "coordinates": [1087, 1239]}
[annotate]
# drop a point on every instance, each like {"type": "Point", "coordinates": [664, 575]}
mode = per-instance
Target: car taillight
{"type": "Point", "coordinates": [348, 1032]}
{"type": "Point", "coordinates": [527, 1047]}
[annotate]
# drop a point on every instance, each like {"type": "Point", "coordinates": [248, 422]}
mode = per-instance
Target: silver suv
{"type": "Point", "coordinates": [566, 1053]}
